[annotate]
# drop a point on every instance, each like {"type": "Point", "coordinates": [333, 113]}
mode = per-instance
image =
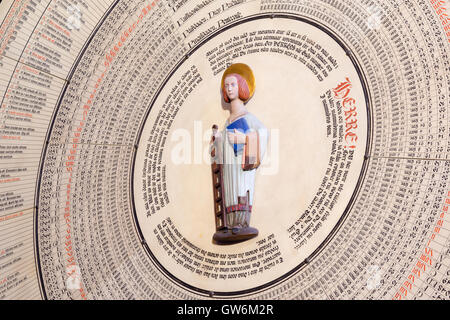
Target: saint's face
{"type": "Point", "coordinates": [232, 88]}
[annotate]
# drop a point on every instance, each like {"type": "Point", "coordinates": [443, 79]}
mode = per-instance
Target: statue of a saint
{"type": "Point", "coordinates": [236, 153]}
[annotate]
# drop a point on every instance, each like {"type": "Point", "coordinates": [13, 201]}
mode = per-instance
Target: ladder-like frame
{"type": "Point", "coordinates": [219, 201]}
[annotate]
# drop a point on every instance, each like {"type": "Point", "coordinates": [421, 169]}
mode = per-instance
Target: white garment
{"type": "Point", "coordinates": [237, 181]}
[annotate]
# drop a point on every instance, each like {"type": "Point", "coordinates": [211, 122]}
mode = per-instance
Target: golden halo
{"type": "Point", "coordinates": [245, 72]}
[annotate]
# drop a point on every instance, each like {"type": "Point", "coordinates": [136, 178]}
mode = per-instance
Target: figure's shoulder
{"type": "Point", "coordinates": [254, 121]}
{"type": "Point", "coordinates": [251, 117]}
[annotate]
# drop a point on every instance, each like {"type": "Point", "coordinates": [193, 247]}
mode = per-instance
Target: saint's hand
{"type": "Point", "coordinates": [237, 137]}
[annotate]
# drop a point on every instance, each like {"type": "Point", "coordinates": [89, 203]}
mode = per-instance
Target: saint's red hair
{"type": "Point", "coordinates": [244, 91]}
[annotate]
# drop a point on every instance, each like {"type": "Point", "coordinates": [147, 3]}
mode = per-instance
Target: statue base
{"type": "Point", "coordinates": [232, 236]}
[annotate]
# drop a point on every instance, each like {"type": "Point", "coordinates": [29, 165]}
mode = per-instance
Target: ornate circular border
{"type": "Point", "coordinates": [333, 232]}
{"type": "Point", "coordinates": [146, 248]}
